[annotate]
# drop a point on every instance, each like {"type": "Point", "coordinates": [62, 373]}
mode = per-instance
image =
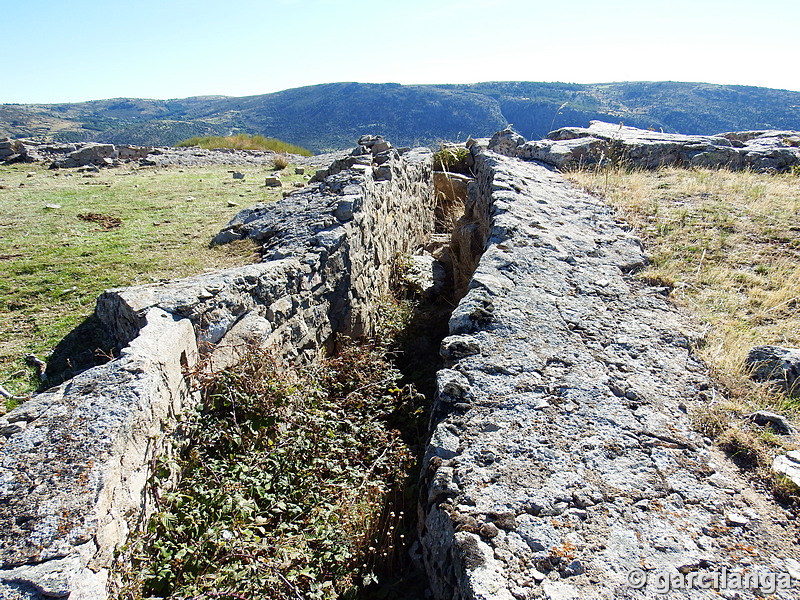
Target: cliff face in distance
{"type": "Point", "coordinates": [329, 116]}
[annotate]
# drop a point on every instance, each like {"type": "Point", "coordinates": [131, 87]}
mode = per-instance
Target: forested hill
{"type": "Point", "coordinates": [332, 116]}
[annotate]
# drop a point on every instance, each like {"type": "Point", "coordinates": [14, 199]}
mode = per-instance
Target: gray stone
{"type": "Point", "coordinates": [788, 465]}
{"type": "Point", "coordinates": [776, 364]}
{"type": "Point", "coordinates": [614, 144]}
{"type": "Point", "coordinates": [273, 181]}
{"type": "Point", "coordinates": [506, 142]}
{"type": "Point", "coordinates": [72, 480]}
{"type": "Point", "coordinates": [733, 519]}
{"type": "Point", "coordinates": [459, 346]}
{"type": "Point", "coordinates": [238, 175]}
{"type": "Point", "coordinates": [778, 423]}
{"type": "Point", "coordinates": [425, 275]}
{"type": "Point", "coordinates": [299, 170]}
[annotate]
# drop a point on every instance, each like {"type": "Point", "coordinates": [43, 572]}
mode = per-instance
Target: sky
{"type": "Point", "coordinates": [76, 50]}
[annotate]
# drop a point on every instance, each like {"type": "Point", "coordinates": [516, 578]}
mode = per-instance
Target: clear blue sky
{"type": "Point", "coordinates": [73, 50]}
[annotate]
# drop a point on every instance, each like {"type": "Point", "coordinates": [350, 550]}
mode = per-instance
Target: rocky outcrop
{"type": "Point", "coordinates": [69, 155]}
{"type": "Point", "coordinates": [605, 143]}
{"type": "Point", "coordinates": [562, 462]}
{"type": "Point", "coordinates": [5, 149]}
{"type": "Point", "coordinates": [775, 364]}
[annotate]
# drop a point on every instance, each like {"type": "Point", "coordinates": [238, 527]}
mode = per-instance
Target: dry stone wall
{"type": "Point", "coordinates": [74, 461]}
{"type": "Point", "coordinates": [562, 457]}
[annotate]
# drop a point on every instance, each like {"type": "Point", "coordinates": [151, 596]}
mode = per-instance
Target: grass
{"type": "Point", "coordinates": [728, 245]}
{"type": "Point", "coordinates": [243, 141]}
{"type": "Point", "coordinates": [294, 482]}
{"type": "Point", "coordinates": [56, 262]}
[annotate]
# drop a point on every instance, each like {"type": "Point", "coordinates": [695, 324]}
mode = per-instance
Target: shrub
{"type": "Point", "coordinates": [451, 159]}
{"type": "Point", "coordinates": [293, 483]}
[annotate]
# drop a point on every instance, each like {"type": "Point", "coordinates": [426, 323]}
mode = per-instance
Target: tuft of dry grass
{"type": "Point", "coordinates": [280, 162]}
{"type": "Point", "coordinates": [727, 244]}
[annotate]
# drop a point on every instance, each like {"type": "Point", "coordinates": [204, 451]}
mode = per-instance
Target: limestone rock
{"type": "Point", "coordinates": [73, 476]}
{"type": "Point", "coordinates": [789, 465]}
{"type": "Point", "coordinates": [425, 275]}
{"type": "Point", "coordinates": [610, 144]}
{"type": "Point", "coordinates": [506, 142]}
{"type": "Point", "coordinates": [778, 423]}
{"type": "Point", "coordinates": [90, 154]}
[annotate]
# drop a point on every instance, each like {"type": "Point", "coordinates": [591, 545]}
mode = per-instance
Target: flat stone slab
{"type": "Point", "coordinates": [562, 458]}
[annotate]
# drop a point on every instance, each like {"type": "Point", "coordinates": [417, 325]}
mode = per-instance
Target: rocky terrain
{"type": "Point", "coordinates": [562, 462]}
{"type": "Point", "coordinates": [606, 144]}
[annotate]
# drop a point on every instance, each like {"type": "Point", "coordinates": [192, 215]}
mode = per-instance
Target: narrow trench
{"type": "Point", "coordinates": [451, 254]}
{"type": "Point", "coordinates": [456, 247]}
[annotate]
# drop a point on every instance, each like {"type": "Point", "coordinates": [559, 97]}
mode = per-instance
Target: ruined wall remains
{"type": "Point", "coordinates": [562, 458]}
{"type": "Point", "coordinates": [74, 461]}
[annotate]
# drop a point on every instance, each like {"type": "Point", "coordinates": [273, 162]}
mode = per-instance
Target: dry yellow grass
{"type": "Point", "coordinates": [729, 244]}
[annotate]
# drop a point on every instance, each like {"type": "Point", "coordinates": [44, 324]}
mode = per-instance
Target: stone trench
{"type": "Point", "coordinates": [561, 457]}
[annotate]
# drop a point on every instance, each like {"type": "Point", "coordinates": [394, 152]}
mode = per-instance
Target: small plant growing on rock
{"type": "Point", "coordinates": [452, 159]}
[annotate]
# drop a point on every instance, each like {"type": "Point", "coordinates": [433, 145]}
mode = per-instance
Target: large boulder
{"type": "Point", "coordinates": [99, 155]}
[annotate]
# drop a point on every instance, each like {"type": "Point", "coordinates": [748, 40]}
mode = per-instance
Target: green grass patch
{"type": "Point", "coordinates": [243, 141]}
{"type": "Point", "coordinates": [56, 262]}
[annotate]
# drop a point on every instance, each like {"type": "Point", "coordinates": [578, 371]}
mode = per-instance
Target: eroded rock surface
{"type": "Point", "coordinates": [562, 456]}
{"type": "Point", "coordinates": [73, 473]}
{"type": "Point", "coordinates": [606, 143]}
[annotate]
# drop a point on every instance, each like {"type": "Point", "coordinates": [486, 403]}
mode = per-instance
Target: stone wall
{"type": "Point", "coordinates": [562, 457]}
{"type": "Point", "coordinates": [74, 461]}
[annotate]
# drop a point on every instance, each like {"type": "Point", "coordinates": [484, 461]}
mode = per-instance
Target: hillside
{"type": "Point", "coordinates": [331, 116]}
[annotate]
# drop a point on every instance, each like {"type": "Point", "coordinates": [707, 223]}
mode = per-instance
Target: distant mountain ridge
{"type": "Point", "coordinates": [332, 116]}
